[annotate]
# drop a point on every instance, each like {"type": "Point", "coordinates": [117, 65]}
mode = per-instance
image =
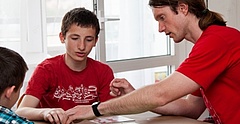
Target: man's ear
{"type": "Point", "coordinates": [9, 91]}
{"type": "Point", "coordinates": [183, 8]}
{"type": "Point", "coordinates": [62, 38]}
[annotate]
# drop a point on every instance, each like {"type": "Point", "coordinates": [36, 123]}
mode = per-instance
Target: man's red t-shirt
{"type": "Point", "coordinates": [214, 63]}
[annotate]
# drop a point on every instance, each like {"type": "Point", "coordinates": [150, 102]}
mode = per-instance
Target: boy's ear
{"type": "Point", "coordinates": [9, 91]}
{"type": "Point", "coordinates": [61, 37]}
{"type": "Point", "coordinates": [96, 40]}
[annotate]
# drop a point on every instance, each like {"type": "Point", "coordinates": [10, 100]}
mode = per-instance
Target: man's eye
{"type": "Point", "coordinates": [161, 18]}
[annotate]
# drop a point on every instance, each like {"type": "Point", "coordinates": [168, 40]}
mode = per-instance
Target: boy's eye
{"type": "Point", "coordinates": [73, 38]}
{"type": "Point", "coordinates": [89, 40]}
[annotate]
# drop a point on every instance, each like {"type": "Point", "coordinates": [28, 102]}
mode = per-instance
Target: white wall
{"type": "Point", "coordinates": [230, 10]}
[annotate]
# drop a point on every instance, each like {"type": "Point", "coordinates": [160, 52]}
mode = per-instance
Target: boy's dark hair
{"type": "Point", "coordinates": [82, 17]}
{"type": "Point", "coordinates": [196, 7]}
{"type": "Point", "coordinates": [12, 69]}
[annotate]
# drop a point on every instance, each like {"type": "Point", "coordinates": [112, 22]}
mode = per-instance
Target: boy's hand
{"type": "Point", "coordinates": [55, 116]}
{"type": "Point", "coordinates": [120, 86]}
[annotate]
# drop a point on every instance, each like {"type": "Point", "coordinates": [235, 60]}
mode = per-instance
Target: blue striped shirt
{"type": "Point", "coordinates": [7, 116]}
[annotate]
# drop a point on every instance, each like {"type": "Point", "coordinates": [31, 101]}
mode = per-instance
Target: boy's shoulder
{"type": "Point", "coordinates": [96, 62]}
{"type": "Point", "coordinates": [53, 60]}
{"type": "Point", "coordinates": [10, 117]}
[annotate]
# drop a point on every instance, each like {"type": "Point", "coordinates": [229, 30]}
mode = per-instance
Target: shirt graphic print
{"type": "Point", "coordinates": [79, 94]}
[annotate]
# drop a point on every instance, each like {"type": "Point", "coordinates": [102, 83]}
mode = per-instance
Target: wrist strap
{"type": "Point", "coordinates": [95, 109]}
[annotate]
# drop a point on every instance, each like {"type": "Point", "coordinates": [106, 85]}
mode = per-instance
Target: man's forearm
{"type": "Point", "coordinates": [151, 96]}
{"type": "Point", "coordinates": [131, 103]}
{"type": "Point", "coordinates": [183, 107]}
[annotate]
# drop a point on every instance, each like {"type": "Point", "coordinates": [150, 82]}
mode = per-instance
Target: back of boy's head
{"type": "Point", "coordinates": [82, 17]}
{"type": "Point", "coordinates": [12, 69]}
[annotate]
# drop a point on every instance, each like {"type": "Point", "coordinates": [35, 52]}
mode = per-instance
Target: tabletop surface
{"type": "Point", "coordinates": [142, 118]}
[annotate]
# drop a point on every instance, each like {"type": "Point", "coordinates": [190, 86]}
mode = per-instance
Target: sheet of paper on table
{"type": "Point", "coordinates": [111, 119]}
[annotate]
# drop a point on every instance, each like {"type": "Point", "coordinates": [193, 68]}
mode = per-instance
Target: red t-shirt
{"type": "Point", "coordinates": [214, 63]}
{"type": "Point", "coordinates": [57, 86]}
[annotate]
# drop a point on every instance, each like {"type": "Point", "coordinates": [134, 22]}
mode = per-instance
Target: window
{"type": "Point", "coordinates": [129, 40]}
{"type": "Point", "coordinates": [55, 10]}
{"type": "Point", "coordinates": [142, 77]}
{"type": "Point", "coordinates": [134, 47]}
{"type": "Point", "coordinates": [131, 31]}
{"type": "Point", "coordinates": [10, 28]}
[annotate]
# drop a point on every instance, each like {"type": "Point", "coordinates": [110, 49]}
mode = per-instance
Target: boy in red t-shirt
{"type": "Point", "coordinates": [65, 81]}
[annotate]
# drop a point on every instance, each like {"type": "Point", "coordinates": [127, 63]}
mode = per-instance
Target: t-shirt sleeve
{"type": "Point", "coordinates": [197, 93]}
{"type": "Point", "coordinates": [39, 82]}
{"type": "Point", "coordinates": [206, 61]}
{"type": "Point", "coordinates": [106, 78]}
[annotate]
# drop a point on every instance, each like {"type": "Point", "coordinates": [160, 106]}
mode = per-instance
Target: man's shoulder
{"type": "Point", "coordinates": [218, 29]}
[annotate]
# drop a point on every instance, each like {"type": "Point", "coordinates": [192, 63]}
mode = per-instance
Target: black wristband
{"type": "Point", "coordinates": [95, 109]}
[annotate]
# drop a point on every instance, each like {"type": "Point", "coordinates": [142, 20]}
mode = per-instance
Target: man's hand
{"type": "Point", "coordinates": [79, 113]}
{"type": "Point", "coordinates": [120, 86]}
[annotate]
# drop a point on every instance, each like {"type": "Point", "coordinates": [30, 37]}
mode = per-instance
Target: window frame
{"type": "Point", "coordinates": [34, 42]}
{"type": "Point", "coordinates": [171, 60]}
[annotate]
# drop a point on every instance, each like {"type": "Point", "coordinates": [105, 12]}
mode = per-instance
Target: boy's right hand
{"type": "Point", "coordinates": [55, 115]}
{"type": "Point", "coordinates": [120, 87]}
